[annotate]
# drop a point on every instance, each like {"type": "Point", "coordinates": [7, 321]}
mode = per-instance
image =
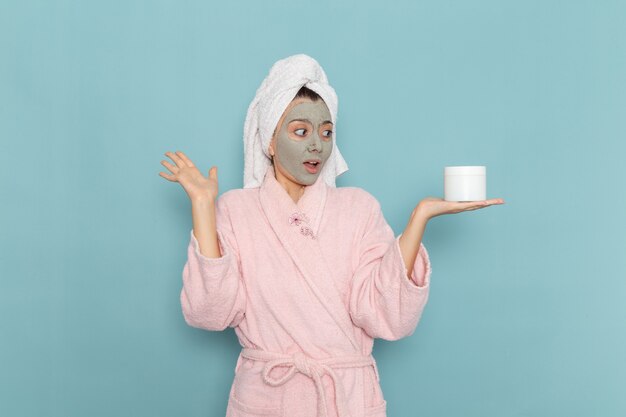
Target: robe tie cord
{"type": "Point", "coordinates": [314, 369]}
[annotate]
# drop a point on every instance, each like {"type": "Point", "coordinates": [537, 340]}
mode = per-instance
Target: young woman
{"type": "Point", "coordinates": [308, 274]}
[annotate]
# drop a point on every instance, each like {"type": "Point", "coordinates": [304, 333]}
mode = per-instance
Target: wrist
{"type": "Point", "coordinates": [420, 214]}
{"type": "Point", "coordinates": [202, 201]}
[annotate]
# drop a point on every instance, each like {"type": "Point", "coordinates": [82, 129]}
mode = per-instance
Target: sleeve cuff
{"type": "Point", "coordinates": [226, 253]}
{"type": "Point", "coordinates": [420, 276]}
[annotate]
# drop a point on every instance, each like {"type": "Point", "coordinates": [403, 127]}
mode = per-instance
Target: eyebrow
{"type": "Point", "coordinates": [307, 120]}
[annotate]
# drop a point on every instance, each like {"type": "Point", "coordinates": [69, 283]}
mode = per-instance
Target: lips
{"type": "Point", "coordinates": [312, 165]}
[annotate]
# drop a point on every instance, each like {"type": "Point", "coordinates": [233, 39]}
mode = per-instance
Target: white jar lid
{"type": "Point", "coordinates": [465, 170]}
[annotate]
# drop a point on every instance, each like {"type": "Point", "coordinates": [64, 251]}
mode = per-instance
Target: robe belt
{"type": "Point", "coordinates": [314, 369]}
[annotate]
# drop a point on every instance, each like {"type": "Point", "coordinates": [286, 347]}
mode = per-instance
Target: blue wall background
{"type": "Point", "coordinates": [527, 314]}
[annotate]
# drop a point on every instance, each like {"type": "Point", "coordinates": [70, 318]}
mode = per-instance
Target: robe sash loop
{"type": "Point", "coordinates": [314, 369]}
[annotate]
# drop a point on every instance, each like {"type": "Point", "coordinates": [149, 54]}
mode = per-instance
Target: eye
{"type": "Point", "coordinates": [328, 133]}
{"type": "Point", "coordinates": [297, 130]}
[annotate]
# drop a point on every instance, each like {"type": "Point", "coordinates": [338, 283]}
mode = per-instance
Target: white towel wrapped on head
{"type": "Point", "coordinates": [277, 90]}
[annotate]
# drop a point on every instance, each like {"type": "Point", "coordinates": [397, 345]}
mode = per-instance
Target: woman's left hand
{"type": "Point", "coordinates": [433, 206]}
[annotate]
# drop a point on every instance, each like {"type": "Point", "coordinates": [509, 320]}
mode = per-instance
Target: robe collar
{"type": "Point", "coordinates": [307, 213]}
{"type": "Point", "coordinates": [296, 225]}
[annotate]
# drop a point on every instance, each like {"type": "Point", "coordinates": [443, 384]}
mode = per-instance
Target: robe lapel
{"type": "Point", "coordinates": [296, 226]}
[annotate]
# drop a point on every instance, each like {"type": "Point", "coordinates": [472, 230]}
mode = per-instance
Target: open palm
{"type": "Point", "coordinates": [435, 206]}
{"type": "Point", "coordinates": [196, 185]}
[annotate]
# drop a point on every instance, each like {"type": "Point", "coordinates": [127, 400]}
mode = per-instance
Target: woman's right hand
{"type": "Point", "coordinates": [197, 186]}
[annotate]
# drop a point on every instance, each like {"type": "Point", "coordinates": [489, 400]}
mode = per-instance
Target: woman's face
{"type": "Point", "coordinates": [303, 141]}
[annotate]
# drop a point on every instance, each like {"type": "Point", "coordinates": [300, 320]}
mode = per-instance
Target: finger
{"type": "Point", "coordinates": [487, 203]}
{"type": "Point", "coordinates": [179, 162]}
{"type": "Point", "coordinates": [185, 158]}
{"type": "Point", "coordinates": [469, 204]}
{"type": "Point", "coordinates": [213, 173]}
{"type": "Point", "coordinates": [168, 177]}
{"type": "Point", "coordinates": [474, 205]}
{"type": "Point", "coordinates": [493, 201]}
{"type": "Point", "coordinates": [169, 166]}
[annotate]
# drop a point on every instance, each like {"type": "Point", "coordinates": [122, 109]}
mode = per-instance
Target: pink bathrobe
{"type": "Point", "coordinates": [307, 286]}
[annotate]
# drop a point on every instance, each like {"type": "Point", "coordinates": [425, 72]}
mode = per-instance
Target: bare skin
{"type": "Point", "coordinates": [428, 208]}
{"type": "Point", "coordinates": [203, 192]}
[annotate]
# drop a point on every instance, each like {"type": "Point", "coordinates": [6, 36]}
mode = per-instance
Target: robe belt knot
{"type": "Point", "coordinates": [306, 367]}
{"type": "Point", "coordinates": [314, 369]}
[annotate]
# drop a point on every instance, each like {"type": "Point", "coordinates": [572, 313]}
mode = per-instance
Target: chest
{"type": "Point", "coordinates": [267, 265]}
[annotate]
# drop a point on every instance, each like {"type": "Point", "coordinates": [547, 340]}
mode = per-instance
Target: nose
{"type": "Point", "coordinates": [315, 143]}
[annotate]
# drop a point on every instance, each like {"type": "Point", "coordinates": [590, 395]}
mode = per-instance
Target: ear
{"type": "Point", "coordinates": [271, 147]}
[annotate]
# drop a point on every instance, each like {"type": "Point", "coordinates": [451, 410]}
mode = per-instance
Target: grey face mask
{"type": "Point", "coordinates": [305, 135]}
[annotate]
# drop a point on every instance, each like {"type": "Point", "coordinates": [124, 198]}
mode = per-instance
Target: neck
{"type": "Point", "coordinates": [294, 190]}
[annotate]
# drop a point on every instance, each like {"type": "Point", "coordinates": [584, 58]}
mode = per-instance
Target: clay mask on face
{"type": "Point", "coordinates": [304, 136]}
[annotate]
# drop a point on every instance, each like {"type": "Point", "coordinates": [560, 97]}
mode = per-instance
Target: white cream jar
{"type": "Point", "coordinates": [465, 183]}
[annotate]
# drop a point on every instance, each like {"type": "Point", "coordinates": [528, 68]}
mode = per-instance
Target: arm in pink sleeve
{"type": "Point", "coordinates": [213, 296]}
{"type": "Point", "coordinates": [383, 301]}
